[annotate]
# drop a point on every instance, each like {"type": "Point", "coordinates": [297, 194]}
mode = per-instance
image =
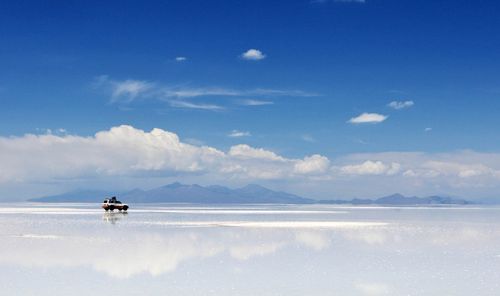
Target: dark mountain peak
{"type": "Point", "coordinates": [395, 195]}
{"type": "Point", "coordinates": [254, 187]}
{"type": "Point", "coordinates": [174, 185]}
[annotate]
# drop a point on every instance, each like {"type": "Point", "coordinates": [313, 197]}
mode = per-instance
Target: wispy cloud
{"type": "Point", "coordinates": [189, 105]}
{"type": "Point", "coordinates": [400, 104]}
{"type": "Point", "coordinates": [238, 134]}
{"type": "Point", "coordinates": [253, 55]}
{"type": "Point", "coordinates": [308, 138]}
{"type": "Point", "coordinates": [428, 129]}
{"type": "Point", "coordinates": [251, 102]}
{"type": "Point", "coordinates": [180, 59]}
{"type": "Point", "coordinates": [368, 118]}
{"type": "Point", "coordinates": [127, 91]}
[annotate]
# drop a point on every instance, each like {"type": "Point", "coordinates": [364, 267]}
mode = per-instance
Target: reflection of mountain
{"type": "Point", "coordinates": [180, 193]}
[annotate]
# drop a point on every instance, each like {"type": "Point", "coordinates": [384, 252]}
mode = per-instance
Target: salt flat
{"type": "Point", "coordinates": [248, 250]}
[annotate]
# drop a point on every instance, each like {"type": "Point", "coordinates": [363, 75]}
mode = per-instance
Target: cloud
{"type": "Point", "coordinates": [250, 102]}
{"type": "Point", "coordinates": [314, 164]}
{"type": "Point", "coordinates": [130, 89]}
{"type": "Point", "coordinates": [371, 168]}
{"type": "Point", "coordinates": [238, 134]}
{"type": "Point", "coordinates": [188, 105]}
{"type": "Point", "coordinates": [398, 105]}
{"type": "Point", "coordinates": [373, 289]}
{"type": "Point", "coordinates": [428, 129]}
{"type": "Point", "coordinates": [180, 59]}
{"type": "Point", "coordinates": [308, 138]}
{"type": "Point", "coordinates": [368, 118]}
{"type": "Point", "coordinates": [125, 152]}
{"type": "Point", "coordinates": [247, 152]}
{"type": "Point", "coordinates": [253, 55]}
{"type": "Point", "coordinates": [127, 91]}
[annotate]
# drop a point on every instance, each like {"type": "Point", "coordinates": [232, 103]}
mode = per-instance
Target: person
{"type": "Point", "coordinates": [113, 199]}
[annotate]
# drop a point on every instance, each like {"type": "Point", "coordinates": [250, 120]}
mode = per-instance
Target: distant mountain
{"type": "Point", "coordinates": [75, 196]}
{"type": "Point", "coordinates": [181, 193]}
{"type": "Point", "coordinates": [399, 199]}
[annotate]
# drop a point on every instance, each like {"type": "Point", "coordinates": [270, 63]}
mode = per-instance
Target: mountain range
{"type": "Point", "coordinates": [250, 194]}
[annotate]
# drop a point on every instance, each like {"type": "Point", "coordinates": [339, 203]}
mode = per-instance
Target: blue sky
{"type": "Point", "coordinates": [81, 67]}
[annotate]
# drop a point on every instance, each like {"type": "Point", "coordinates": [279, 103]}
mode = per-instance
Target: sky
{"type": "Point", "coordinates": [325, 98]}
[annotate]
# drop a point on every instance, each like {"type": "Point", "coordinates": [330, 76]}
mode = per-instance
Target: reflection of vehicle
{"type": "Point", "coordinates": [113, 217]}
{"type": "Point", "coordinates": [110, 204]}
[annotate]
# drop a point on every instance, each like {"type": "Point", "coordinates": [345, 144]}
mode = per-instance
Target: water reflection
{"type": "Point", "coordinates": [367, 253]}
{"type": "Point", "coordinates": [113, 217]}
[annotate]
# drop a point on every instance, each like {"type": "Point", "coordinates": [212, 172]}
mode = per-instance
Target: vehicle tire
{"type": "Point", "coordinates": [111, 208]}
{"type": "Point", "coordinates": [125, 208]}
{"type": "Point", "coordinates": [106, 209]}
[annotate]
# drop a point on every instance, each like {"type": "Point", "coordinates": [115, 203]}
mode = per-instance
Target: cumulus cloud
{"type": "Point", "coordinates": [128, 152]}
{"type": "Point", "coordinates": [312, 164]}
{"type": "Point", "coordinates": [371, 168]}
{"type": "Point", "coordinates": [245, 151]}
{"type": "Point", "coordinates": [400, 104]}
{"type": "Point", "coordinates": [253, 55]}
{"type": "Point", "coordinates": [368, 118]}
{"type": "Point", "coordinates": [238, 134]}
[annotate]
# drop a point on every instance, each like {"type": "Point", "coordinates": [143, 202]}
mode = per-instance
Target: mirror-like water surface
{"type": "Point", "coordinates": [77, 249]}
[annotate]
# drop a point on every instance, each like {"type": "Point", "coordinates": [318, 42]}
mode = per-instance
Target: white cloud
{"type": "Point", "coordinates": [314, 164]}
{"type": "Point", "coordinates": [126, 152]}
{"type": "Point", "coordinates": [428, 129]}
{"type": "Point", "coordinates": [371, 168]}
{"type": "Point", "coordinates": [368, 118]}
{"type": "Point", "coordinates": [253, 55]}
{"type": "Point", "coordinates": [238, 134]}
{"type": "Point", "coordinates": [180, 59]}
{"type": "Point", "coordinates": [245, 151]}
{"type": "Point", "coordinates": [400, 104]}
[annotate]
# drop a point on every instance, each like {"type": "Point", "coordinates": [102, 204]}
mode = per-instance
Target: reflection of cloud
{"type": "Point", "coordinates": [371, 237]}
{"type": "Point", "coordinates": [315, 240]}
{"type": "Point", "coordinates": [123, 254]}
{"type": "Point", "coordinates": [244, 252]}
{"type": "Point", "coordinates": [373, 289]}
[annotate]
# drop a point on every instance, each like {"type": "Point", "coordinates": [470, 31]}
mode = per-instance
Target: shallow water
{"type": "Point", "coordinates": [77, 249]}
